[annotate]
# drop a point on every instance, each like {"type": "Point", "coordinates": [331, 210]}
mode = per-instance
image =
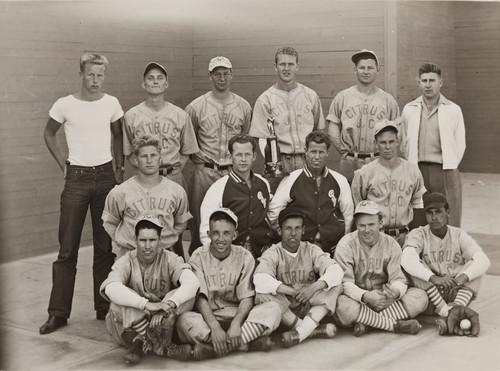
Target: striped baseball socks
{"type": "Point", "coordinates": [371, 318]}
{"type": "Point", "coordinates": [464, 296]}
{"type": "Point", "coordinates": [436, 299]}
{"type": "Point", "coordinates": [251, 331]}
{"type": "Point", "coordinates": [395, 311]}
{"type": "Point", "coordinates": [141, 327]}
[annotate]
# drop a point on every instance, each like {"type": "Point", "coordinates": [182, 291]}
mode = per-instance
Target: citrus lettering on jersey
{"type": "Point", "coordinates": [169, 129]}
{"type": "Point", "coordinates": [296, 276]}
{"type": "Point", "coordinates": [385, 188]}
{"type": "Point", "coordinates": [286, 114]}
{"type": "Point", "coordinates": [221, 280]}
{"type": "Point", "coordinates": [372, 264]}
{"type": "Point", "coordinates": [149, 204]}
{"type": "Point", "coordinates": [448, 256]}
{"type": "Point", "coordinates": [212, 122]}
{"type": "Point", "coordinates": [155, 284]}
{"type": "Point", "coordinates": [374, 114]}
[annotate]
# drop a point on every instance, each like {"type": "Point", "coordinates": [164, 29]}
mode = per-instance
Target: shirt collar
{"type": "Point", "coordinates": [237, 178]}
{"type": "Point", "coordinates": [442, 100]}
{"type": "Point", "coordinates": [310, 174]}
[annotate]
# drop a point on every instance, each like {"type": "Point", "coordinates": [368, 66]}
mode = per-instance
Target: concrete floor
{"type": "Point", "coordinates": [85, 345]}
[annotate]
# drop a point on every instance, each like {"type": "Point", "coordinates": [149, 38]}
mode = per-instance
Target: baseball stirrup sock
{"type": "Point", "coordinates": [306, 327]}
{"type": "Point", "coordinates": [141, 326]}
{"type": "Point", "coordinates": [290, 319]}
{"type": "Point", "coordinates": [251, 331]}
{"type": "Point", "coordinates": [373, 319]}
{"type": "Point", "coordinates": [395, 311]}
{"type": "Point", "coordinates": [463, 297]}
{"type": "Point", "coordinates": [436, 299]}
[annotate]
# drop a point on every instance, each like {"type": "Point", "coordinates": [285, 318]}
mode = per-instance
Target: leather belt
{"type": "Point", "coordinates": [362, 155]}
{"type": "Point", "coordinates": [166, 170]}
{"type": "Point", "coordinates": [396, 232]}
{"type": "Point", "coordinates": [216, 167]}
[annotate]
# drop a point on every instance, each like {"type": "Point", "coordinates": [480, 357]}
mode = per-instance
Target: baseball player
{"type": "Point", "coordinates": [323, 195]}
{"type": "Point", "coordinates": [91, 120]}
{"type": "Point", "coordinates": [393, 183]}
{"type": "Point", "coordinates": [225, 317]}
{"type": "Point", "coordinates": [375, 288]}
{"type": "Point", "coordinates": [145, 193]}
{"type": "Point", "coordinates": [169, 124]}
{"type": "Point", "coordinates": [288, 273]}
{"type": "Point", "coordinates": [435, 134]}
{"type": "Point", "coordinates": [217, 116]}
{"type": "Point", "coordinates": [245, 193]}
{"type": "Point", "coordinates": [148, 288]}
{"type": "Point", "coordinates": [354, 112]}
{"type": "Point", "coordinates": [295, 108]}
{"type": "Point", "coordinates": [443, 260]}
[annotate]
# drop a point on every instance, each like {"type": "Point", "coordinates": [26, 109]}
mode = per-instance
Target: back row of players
{"type": "Point", "coordinates": [160, 136]}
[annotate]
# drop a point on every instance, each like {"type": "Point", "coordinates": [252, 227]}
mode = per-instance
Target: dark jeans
{"type": "Point", "coordinates": [84, 186]}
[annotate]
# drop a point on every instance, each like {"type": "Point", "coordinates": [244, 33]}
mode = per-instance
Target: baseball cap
{"type": "Point", "coordinates": [219, 61]}
{"type": "Point", "coordinates": [367, 207]}
{"type": "Point", "coordinates": [148, 219]}
{"type": "Point", "coordinates": [434, 200]}
{"type": "Point", "coordinates": [363, 53]}
{"type": "Point", "coordinates": [152, 65]}
{"type": "Point", "coordinates": [228, 212]}
{"type": "Point", "coordinates": [289, 212]}
{"type": "Point", "coordinates": [383, 125]}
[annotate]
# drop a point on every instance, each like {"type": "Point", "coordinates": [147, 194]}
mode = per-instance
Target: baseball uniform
{"type": "Point", "coordinates": [214, 124]}
{"type": "Point", "coordinates": [296, 113]}
{"type": "Point", "coordinates": [396, 191]}
{"type": "Point", "coordinates": [356, 115]}
{"type": "Point", "coordinates": [127, 202]}
{"type": "Point", "coordinates": [250, 203]}
{"type": "Point", "coordinates": [442, 133]}
{"type": "Point", "coordinates": [371, 268]}
{"type": "Point", "coordinates": [425, 255]}
{"type": "Point", "coordinates": [133, 286]}
{"type": "Point", "coordinates": [328, 209]}
{"type": "Point", "coordinates": [171, 126]}
{"type": "Point", "coordinates": [224, 283]}
{"type": "Point", "coordinates": [298, 270]}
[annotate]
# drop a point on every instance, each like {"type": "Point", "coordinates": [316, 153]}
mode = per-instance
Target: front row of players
{"type": "Point", "coordinates": [220, 302]}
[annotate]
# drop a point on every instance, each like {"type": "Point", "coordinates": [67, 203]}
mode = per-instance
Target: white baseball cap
{"type": "Point", "coordinates": [367, 207]}
{"type": "Point", "coordinates": [363, 53]}
{"type": "Point", "coordinates": [228, 212]}
{"type": "Point", "coordinates": [152, 65]}
{"type": "Point", "coordinates": [384, 124]}
{"type": "Point", "coordinates": [219, 61]}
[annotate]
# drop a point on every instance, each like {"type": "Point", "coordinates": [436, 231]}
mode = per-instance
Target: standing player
{"type": "Point", "coordinates": [217, 116]}
{"type": "Point", "coordinates": [245, 193]}
{"type": "Point", "coordinates": [435, 132]}
{"type": "Point", "coordinates": [443, 260]}
{"type": "Point", "coordinates": [288, 273]}
{"type": "Point", "coordinates": [295, 108]}
{"type": "Point", "coordinates": [354, 112]}
{"type": "Point", "coordinates": [375, 288]}
{"type": "Point", "coordinates": [321, 194]}
{"type": "Point", "coordinates": [145, 193]}
{"type": "Point", "coordinates": [226, 318]}
{"type": "Point", "coordinates": [90, 118]}
{"type": "Point", "coordinates": [148, 288]}
{"type": "Point", "coordinates": [169, 124]}
{"type": "Point", "coordinates": [394, 184]}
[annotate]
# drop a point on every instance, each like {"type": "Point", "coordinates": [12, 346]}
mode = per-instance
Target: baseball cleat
{"type": "Point", "coordinates": [290, 338]}
{"type": "Point", "coordinates": [203, 351]}
{"type": "Point", "coordinates": [324, 331]}
{"type": "Point", "coordinates": [411, 326]}
{"type": "Point", "coordinates": [134, 353]}
{"type": "Point", "coordinates": [261, 344]}
{"type": "Point", "coordinates": [181, 352]}
{"type": "Point", "coordinates": [360, 329]}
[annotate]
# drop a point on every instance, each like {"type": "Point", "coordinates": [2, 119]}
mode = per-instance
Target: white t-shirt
{"type": "Point", "coordinates": [87, 127]}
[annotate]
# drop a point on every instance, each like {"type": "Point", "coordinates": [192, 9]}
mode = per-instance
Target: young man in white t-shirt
{"type": "Point", "coordinates": [90, 119]}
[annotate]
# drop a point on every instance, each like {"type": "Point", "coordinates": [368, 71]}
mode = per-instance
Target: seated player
{"type": "Point", "coordinates": [376, 293]}
{"type": "Point", "coordinates": [148, 288]}
{"type": "Point", "coordinates": [287, 274]}
{"type": "Point", "coordinates": [226, 318]}
{"type": "Point", "coordinates": [443, 260]}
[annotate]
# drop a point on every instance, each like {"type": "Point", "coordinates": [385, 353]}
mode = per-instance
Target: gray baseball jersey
{"type": "Point", "coordinates": [357, 115]}
{"type": "Point", "coordinates": [296, 113]}
{"type": "Point", "coordinates": [396, 191]}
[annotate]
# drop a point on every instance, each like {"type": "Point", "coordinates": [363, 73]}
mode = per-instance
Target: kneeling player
{"type": "Point", "coordinates": [444, 261]}
{"type": "Point", "coordinates": [226, 319]}
{"type": "Point", "coordinates": [144, 300]}
{"type": "Point", "coordinates": [375, 288]}
{"type": "Point", "coordinates": [286, 275]}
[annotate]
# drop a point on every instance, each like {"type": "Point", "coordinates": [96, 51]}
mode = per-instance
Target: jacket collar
{"type": "Point", "coordinates": [310, 174]}
{"type": "Point", "coordinates": [237, 178]}
{"type": "Point", "coordinates": [420, 100]}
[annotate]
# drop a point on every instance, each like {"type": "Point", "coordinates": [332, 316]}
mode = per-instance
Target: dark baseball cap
{"type": "Point", "coordinates": [385, 125]}
{"type": "Point", "coordinates": [434, 200]}
{"type": "Point", "coordinates": [152, 65]}
{"type": "Point", "coordinates": [290, 212]}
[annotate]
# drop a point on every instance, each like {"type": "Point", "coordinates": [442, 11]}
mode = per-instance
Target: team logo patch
{"type": "Point", "coordinates": [262, 199]}
{"type": "Point", "coordinates": [331, 194]}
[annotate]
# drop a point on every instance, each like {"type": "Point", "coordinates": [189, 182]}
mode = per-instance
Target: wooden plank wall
{"type": "Point", "coordinates": [478, 82]}
{"type": "Point", "coordinates": [41, 43]}
{"type": "Point", "coordinates": [325, 34]}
